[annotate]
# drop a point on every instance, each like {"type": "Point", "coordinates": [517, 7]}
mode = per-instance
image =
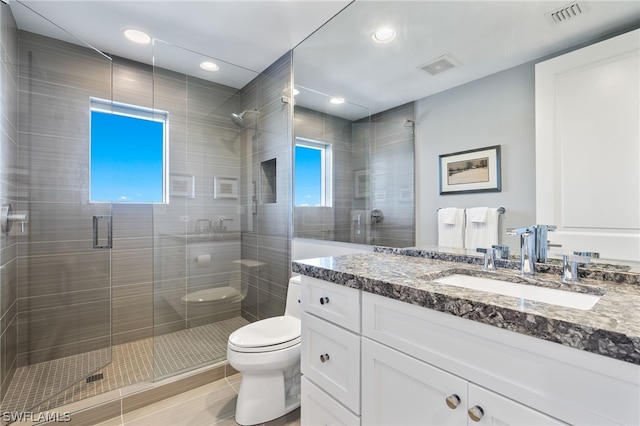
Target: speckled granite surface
{"type": "Point", "coordinates": [611, 328]}
{"type": "Point", "coordinates": [598, 270]}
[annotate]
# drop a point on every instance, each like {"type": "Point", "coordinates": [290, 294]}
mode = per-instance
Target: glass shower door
{"type": "Point", "coordinates": [62, 265]}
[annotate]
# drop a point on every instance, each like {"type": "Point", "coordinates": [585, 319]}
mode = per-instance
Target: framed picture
{"type": "Point", "coordinates": [361, 184]}
{"type": "Point", "coordinates": [224, 187]}
{"type": "Point", "coordinates": [181, 185]}
{"type": "Point", "coordinates": [476, 170]}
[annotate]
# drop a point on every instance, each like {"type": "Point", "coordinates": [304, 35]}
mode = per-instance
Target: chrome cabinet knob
{"type": "Point", "coordinates": [453, 401]}
{"type": "Point", "coordinates": [324, 357]}
{"type": "Point", "coordinates": [475, 413]}
{"type": "Point", "coordinates": [324, 300]}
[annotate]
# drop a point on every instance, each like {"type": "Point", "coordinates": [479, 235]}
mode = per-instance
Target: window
{"type": "Point", "coordinates": [128, 153]}
{"type": "Point", "coordinates": [313, 184]}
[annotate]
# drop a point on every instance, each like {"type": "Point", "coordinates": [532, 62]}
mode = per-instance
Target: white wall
{"type": "Point", "coordinates": [495, 110]}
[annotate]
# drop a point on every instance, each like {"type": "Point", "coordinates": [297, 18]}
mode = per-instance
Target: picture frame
{"type": "Point", "coordinates": [225, 188]}
{"type": "Point", "coordinates": [182, 185]}
{"type": "Point", "coordinates": [361, 184]}
{"type": "Point", "coordinates": [475, 170]}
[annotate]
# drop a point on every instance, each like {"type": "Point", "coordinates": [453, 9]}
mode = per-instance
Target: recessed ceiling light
{"type": "Point", "coordinates": [384, 35]}
{"type": "Point", "coordinates": [209, 66]}
{"type": "Point", "coordinates": [336, 101]}
{"type": "Point", "coordinates": [137, 36]}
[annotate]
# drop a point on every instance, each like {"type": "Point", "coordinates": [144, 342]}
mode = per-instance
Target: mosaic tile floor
{"type": "Point", "coordinates": [131, 363]}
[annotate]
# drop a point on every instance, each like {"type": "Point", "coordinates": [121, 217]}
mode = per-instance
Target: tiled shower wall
{"type": "Point", "coordinates": [8, 194]}
{"type": "Point", "coordinates": [266, 225]}
{"type": "Point", "coordinates": [382, 144]}
{"type": "Point", "coordinates": [63, 284]}
{"type": "Point", "coordinates": [328, 223]}
{"type": "Point", "coordinates": [392, 176]}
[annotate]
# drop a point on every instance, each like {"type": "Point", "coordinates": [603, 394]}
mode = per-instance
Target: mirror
{"type": "Point", "coordinates": [468, 69]}
{"type": "Point", "coordinates": [353, 173]}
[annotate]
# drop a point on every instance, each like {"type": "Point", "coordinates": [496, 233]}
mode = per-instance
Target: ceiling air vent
{"type": "Point", "coordinates": [566, 13]}
{"type": "Point", "coordinates": [441, 64]}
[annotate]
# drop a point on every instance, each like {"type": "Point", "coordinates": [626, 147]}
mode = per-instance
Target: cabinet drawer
{"type": "Point", "coordinates": [333, 302]}
{"type": "Point", "coordinates": [331, 359]}
{"type": "Point", "coordinates": [318, 408]}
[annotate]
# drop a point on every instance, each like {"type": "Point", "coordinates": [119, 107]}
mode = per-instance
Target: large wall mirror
{"type": "Point", "coordinates": [436, 77]}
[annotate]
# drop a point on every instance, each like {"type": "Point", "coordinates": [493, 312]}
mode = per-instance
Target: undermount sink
{"type": "Point", "coordinates": [568, 299]}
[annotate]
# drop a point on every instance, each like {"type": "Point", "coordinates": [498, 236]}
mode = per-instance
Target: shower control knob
{"type": "Point", "coordinates": [475, 413]}
{"type": "Point", "coordinates": [324, 300]}
{"type": "Point", "coordinates": [453, 401]}
{"type": "Point", "coordinates": [324, 357]}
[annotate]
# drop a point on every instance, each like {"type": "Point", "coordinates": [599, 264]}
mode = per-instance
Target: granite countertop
{"type": "Point", "coordinates": [611, 328]}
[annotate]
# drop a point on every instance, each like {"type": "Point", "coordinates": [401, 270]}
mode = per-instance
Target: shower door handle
{"type": "Point", "coordinates": [102, 235]}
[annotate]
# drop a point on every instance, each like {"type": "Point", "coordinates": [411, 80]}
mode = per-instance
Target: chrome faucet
{"type": "Point", "coordinates": [570, 267]}
{"type": "Point", "coordinates": [489, 263]}
{"type": "Point", "coordinates": [502, 249]}
{"type": "Point", "coordinates": [527, 248]}
{"type": "Point", "coordinates": [542, 242]}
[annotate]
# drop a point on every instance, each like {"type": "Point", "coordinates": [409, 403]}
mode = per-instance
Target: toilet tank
{"type": "Point", "coordinates": [292, 307]}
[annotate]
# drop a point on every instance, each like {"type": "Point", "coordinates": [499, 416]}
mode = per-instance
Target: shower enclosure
{"type": "Point", "coordinates": [98, 296]}
{"type": "Point", "coordinates": [371, 176]}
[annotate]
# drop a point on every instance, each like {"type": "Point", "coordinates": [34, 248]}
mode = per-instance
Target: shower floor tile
{"type": "Point", "coordinates": [131, 363]}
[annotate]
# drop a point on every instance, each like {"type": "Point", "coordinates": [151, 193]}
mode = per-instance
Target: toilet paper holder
{"type": "Point", "coordinates": [7, 217]}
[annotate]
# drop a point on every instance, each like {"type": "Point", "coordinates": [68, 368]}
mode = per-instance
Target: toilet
{"type": "Point", "coordinates": [267, 353]}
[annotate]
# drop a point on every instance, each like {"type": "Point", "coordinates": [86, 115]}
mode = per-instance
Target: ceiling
{"type": "Point", "coordinates": [242, 37]}
{"type": "Point", "coordinates": [339, 59]}
{"type": "Point", "coordinates": [482, 37]}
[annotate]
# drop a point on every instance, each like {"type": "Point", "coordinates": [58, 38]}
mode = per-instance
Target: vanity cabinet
{"type": "Point", "coordinates": [379, 361]}
{"type": "Point", "coordinates": [330, 353]}
{"type": "Point", "coordinates": [401, 390]}
{"type": "Point", "coordinates": [517, 379]}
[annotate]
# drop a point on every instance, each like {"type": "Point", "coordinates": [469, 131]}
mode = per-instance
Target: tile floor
{"type": "Point", "coordinates": [212, 404]}
{"type": "Point", "coordinates": [133, 362]}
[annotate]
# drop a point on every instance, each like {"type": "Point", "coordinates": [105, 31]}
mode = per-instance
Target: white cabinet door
{"type": "Point", "coordinates": [400, 390]}
{"type": "Point", "coordinates": [330, 357]}
{"type": "Point", "coordinates": [489, 408]}
{"type": "Point", "coordinates": [588, 147]}
{"type": "Point", "coordinates": [318, 408]}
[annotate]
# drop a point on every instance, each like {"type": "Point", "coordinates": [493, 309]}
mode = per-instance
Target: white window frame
{"type": "Point", "coordinates": [144, 113]}
{"type": "Point", "coordinates": [326, 169]}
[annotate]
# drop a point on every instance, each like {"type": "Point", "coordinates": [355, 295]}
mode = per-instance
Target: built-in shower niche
{"type": "Point", "coordinates": [268, 181]}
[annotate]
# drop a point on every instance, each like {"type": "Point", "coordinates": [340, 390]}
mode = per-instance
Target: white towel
{"type": "Point", "coordinates": [451, 227]}
{"type": "Point", "coordinates": [477, 214]}
{"type": "Point", "coordinates": [481, 234]}
{"type": "Point", "coordinates": [448, 215]}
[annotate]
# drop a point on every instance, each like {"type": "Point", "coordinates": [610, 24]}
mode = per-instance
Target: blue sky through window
{"type": "Point", "coordinates": [126, 158]}
{"type": "Point", "coordinates": [308, 175]}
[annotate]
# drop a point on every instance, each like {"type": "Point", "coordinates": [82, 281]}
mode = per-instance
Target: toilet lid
{"type": "Point", "coordinates": [266, 332]}
{"type": "Point", "coordinates": [226, 294]}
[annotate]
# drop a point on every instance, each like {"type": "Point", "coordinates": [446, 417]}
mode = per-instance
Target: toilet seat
{"type": "Point", "coordinates": [270, 334]}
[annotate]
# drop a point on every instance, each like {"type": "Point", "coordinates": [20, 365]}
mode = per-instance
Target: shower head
{"type": "Point", "coordinates": [238, 119]}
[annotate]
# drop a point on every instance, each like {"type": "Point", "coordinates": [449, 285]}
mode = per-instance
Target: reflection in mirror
{"type": "Point", "coordinates": [353, 172]}
{"type": "Point", "coordinates": [484, 96]}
